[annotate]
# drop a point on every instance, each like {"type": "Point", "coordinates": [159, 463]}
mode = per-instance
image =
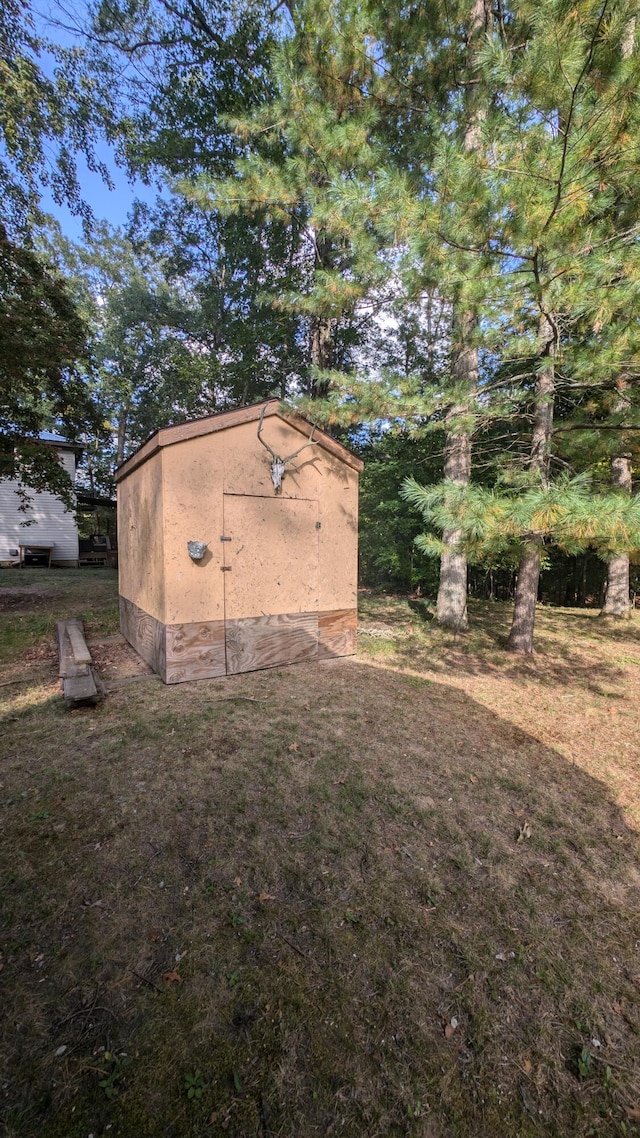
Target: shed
{"type": "Point", "coordinates": [277, 581]}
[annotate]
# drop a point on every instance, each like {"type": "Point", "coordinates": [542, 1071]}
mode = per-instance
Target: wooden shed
{"type": "Point", "coordinates": [276, 583]}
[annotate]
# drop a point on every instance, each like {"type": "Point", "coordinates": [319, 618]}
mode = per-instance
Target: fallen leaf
{"type": "Point", "coordinates": [449, 1030]}
{"type": "Point", "coordinates": [524, 832]}
{"type": "Point", "coordinates": [293, 746]}
{"type": "Point", "coordinates": [173, 977]}
{"type": "Point", "coordinates": [237, 881]}
{"type": "Point", "coordinates": [527, 1066]}
{"type": "Point", "coordinates": [266, 897]}
{"type": "Point", "coordinates": [617, 1009]}
{"type": "Point", "coordinates": [338, 782]}
{"type": "Point", "coordinates": [472, 778]}
{"type": "Point", "coordinates": [632, 1113]}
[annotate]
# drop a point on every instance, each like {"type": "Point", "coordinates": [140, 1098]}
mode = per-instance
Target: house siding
{"type": "Point", "coordinates": [49, 521]}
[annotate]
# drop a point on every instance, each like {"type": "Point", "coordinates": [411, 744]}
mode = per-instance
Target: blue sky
{"type": "Point", "coordinates": [110, 205]}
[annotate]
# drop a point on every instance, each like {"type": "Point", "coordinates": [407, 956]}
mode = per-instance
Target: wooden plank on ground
{"type": "Point", "coordinates": [77, 688]}
{"type": "Point", "coordinates": [81, 653]}
{"type": "Point", "coordinates": [79, 684]}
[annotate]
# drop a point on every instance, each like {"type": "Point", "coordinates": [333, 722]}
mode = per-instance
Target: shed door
{"type": "Point", "coordinates": [271, 582]}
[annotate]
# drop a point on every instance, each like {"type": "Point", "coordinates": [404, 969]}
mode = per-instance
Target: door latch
{"type": "Point", "coordinates": [225, 568]}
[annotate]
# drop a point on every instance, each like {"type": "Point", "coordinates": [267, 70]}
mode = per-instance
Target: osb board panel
{"type": "Point", "coordinates": [338, 551]}
{"type": "Point", "coordinates": [140, 538]}
{"type": "Point", "coordinates": [195, 651]}
{"type": "Point", "coordinates": [247, 463]}
{"type": "Point", "coordinates": [272, 557]}
{"type": "Point", "coordinates": [192, 474]}
{"type": "Point", "coordinates": [210, 424]}
{"type": "Point", "coordinates": [145, 634]}
{"type": "Point", "coordinates": [337, 633]}
{"type": "Point", "coordinates": [269, 641]}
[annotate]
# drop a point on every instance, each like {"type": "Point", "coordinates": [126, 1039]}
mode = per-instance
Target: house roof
{"type": "Point", "coordinates": [52, 440]}
{"type": "Point", "coordinates": [222, 421]}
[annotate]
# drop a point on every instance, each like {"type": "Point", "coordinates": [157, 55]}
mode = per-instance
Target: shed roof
{"type": "Point", "coordinates": [181, 432]}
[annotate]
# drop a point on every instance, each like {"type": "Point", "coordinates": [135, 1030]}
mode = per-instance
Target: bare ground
{"type": "Point", "coordinates": [392, 895]}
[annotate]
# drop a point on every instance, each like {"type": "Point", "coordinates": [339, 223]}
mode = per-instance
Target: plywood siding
{"type": "Point", "coordinates": [337, 633]}
{"type": "Point", "coordinates": [338, 567]}
{"type": "Point", "coordinates": [247, 463]}
{"type": "Point", "coordinates": [50, 521]}
{"type": "Point", "coordinates": [146, 634]}
{"type": "Point", "coordinates": [270, 641]}
{"type": "Point", "coordinates": [192, 480]}
{"type": "Point", "coordinates": [272, 558]}
{"type": "Point", "coordinates": [314, 475]}
{"type": "Point", "coordinates": [141, 538]}
{"type": "Point", "coordinates": [194, 651]}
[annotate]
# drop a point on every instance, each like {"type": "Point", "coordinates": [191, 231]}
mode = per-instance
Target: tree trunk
{"type": "Point", "coordinates": [524, 612]}
{"type": "Point", "coordinates": [321, 353]}
{"type": "Point", "coordinates": [617, 588]}
{"type": "Point", "coordinates": [617, 598]}
{"type": "Point", "coordinates": [452, 590]}
{"type": "Point", "coordinates": [321, 346]}
{"type": "Point", "coordinates": [451, 609]}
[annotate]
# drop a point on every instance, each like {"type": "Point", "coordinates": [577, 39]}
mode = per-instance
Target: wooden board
{"type": "Point", "coordinates": [209, 424]}
{"type": "Point", "coordinates": [269, 641]}
{"type": "Point", "coordinates": [81, 653]}
{"type": "Point", "coordinates": [145, 634]}
{"type": "Point", "coordinates": [337, 633]}
{"type": "Point", "coordinates": [271, 558]}
{"type": "Point", "coordinates": [78, 682]}
{"type": "Point", "coordinates": [77, 689]}
{"type": "Point", "coordinates": [194, 651]}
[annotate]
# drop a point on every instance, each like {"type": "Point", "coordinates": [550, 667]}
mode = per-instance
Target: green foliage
{"type": "Point", "coordinates": [389, 557]}
{"type": "Point", "coordinates": [194, 1085]}
{"type": "Point", "coordinates": [44, 123]}
{"type": "Point", "coordinates": [41, 339]}
{"type": "Point", "coordinates": [494, 522]}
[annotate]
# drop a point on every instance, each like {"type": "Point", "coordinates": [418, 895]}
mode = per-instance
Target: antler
{"type": "Point", "coordinates": [309, 442]}
{"type": "Point", "coordinates": [271, 452]}
{"type": "Point", "coordinates": [278, 464]}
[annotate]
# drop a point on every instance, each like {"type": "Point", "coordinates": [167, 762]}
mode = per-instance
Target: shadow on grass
{"type": "Point", "coordinates": [364, 906]}
{"type": "Point", "coordinates": [564, 645]}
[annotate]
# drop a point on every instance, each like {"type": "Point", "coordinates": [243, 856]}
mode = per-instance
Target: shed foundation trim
{"type": "Point", "coordinates": [207, 649]}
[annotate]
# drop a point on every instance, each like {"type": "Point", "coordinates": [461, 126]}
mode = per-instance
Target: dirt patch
{"type": "Point", "coordinates": [20, 600]}
{"type": "Point", "coordinates": [115, 659]}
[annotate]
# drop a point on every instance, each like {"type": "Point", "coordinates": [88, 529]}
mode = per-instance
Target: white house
{"type": "Point", "coordinates": [50, 524]}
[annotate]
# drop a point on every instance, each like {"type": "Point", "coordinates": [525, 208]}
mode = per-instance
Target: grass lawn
{"type": "Point", "coordinates": [390, 895]}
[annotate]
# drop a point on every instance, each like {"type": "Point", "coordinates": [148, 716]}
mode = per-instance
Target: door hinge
{"type": "Point", "coordinates": [223, 538]}
{"type": "Point", "coordinates": [225, 568]}
{"type": "Point", "coordinates": [318, 525]}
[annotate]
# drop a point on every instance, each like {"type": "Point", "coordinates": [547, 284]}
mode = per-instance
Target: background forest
{"type": "Point", "coordinates": [417, 222]}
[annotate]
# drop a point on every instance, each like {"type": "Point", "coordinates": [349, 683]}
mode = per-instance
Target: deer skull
{"type": "Point", "coordinates": [278, 464]}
